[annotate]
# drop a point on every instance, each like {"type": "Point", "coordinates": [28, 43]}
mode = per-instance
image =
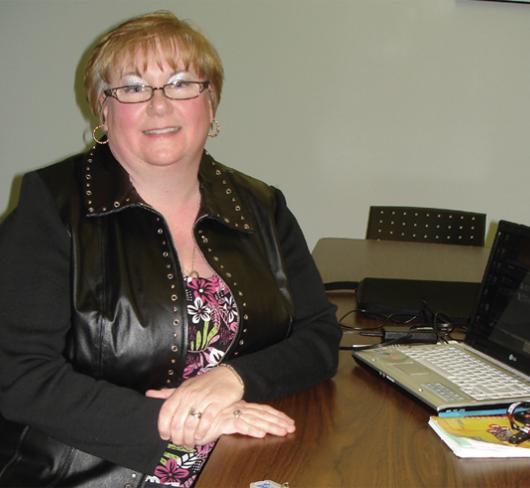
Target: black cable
{"type": "Point", "coordinates": [341, 285]}
{"type": "Point", "coordinates": [346, 314]}
{"type": "Point", "coordinates": [389, 337]}
{"type": "Point", "coordinates": [375, 316]}
{"type": "Point", "coordinates": [359, 347]}
{"type": "Point", "coordinates": [438, 322]}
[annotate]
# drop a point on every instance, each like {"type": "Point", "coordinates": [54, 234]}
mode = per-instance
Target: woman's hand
{"type": "Point", "coordinates": [251, 419]}
{"type": "Point", "coordinates": [189, 410]}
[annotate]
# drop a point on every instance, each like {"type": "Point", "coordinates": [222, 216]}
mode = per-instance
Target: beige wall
{"type": "Point", "coordinates": [340, 103]}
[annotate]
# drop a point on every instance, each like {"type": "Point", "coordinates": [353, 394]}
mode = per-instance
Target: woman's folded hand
{"type": "Point", "coordinates": [189, 410]}
{"type": "Point", "coordinates": [207, 406]}
{"type": "Point", "coordinates": [251, 419]}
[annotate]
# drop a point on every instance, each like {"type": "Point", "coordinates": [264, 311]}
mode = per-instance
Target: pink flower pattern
{"type": "Point", "coordinates": [170, 473]}
{"type": "Point", "coordinates": [204, 288]}
{"type": "Point", "coordinates": [213, 320]}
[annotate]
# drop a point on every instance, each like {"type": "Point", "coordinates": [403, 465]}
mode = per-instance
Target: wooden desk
{"type": "Point", "coordinates": [358, 430]}
{"type": "Point", "coordinates": [354, 259]}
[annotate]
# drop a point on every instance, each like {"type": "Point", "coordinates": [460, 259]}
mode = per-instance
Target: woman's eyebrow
{"type": "Point", "coordinates": [134, 76]}
{"type": "Point", "coordinates": [177, 73]}
{"type": "Point", "coordinates": [137, 76]}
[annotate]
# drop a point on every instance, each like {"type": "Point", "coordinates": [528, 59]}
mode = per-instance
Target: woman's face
{"type": "Point", "coordinates": [161, 131]}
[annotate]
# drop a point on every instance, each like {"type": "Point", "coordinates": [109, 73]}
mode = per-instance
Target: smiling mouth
{"type": "Point", "coordinates": [165, 130]}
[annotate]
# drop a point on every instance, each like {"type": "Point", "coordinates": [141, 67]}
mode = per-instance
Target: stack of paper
{"type": "Point", "coordinates": [479, 436]}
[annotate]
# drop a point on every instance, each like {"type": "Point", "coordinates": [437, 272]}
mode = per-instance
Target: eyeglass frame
{"type": "Point", "coordinates": [111, 92]}
{"type": "Point", "coordinates": [521, 426]}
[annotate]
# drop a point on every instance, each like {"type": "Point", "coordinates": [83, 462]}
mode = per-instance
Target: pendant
{"type": "Point", "coordinates": [193, 274]}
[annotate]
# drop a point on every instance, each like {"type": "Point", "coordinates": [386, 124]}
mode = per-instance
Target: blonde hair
{"type": "Point", "coordinates": [158, 36]}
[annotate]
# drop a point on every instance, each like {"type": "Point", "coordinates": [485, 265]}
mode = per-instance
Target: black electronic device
{"type": "Point", "coordinates": [386, 296]}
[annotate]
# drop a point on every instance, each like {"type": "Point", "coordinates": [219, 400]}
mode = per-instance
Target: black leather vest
{"type": "Point", "coordinates": [129, 323]}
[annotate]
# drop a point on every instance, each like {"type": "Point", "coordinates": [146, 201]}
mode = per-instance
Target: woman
{"type": "Point", "coordinates": [152, 297]}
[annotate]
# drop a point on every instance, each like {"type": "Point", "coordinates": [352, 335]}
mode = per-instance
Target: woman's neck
{"type": "Point", "coordinates": [165, 188]}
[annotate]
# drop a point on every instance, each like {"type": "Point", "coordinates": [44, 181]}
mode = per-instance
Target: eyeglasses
{"type": "Point", "coordinates": [519, 416]}
{"type": "Point", "coordinates": [179, 90]}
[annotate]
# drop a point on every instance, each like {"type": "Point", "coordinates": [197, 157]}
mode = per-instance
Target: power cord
{"type": "Point", "coordinates": [427, 327]}
{"type": "Point", "coordinates": [390, 337]}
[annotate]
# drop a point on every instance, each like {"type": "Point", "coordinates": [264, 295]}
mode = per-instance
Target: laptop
{"type": "Point", "coordinates": [491, 368]}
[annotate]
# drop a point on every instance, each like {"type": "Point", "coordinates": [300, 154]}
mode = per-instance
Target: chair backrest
{"type": "Point", "coordinates": [426, 225]}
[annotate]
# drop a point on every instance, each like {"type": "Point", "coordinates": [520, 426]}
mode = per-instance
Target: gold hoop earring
{"type": "Point", "coordinates": [215, 128]}
{"type": "Point", "coordinates": [100, 141]}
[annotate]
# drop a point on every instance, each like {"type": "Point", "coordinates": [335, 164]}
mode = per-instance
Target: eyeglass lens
{"type": "Point", "coordinates": [175, 91]}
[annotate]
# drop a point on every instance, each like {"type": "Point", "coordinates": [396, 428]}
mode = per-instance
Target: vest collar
{"type": "Point", "coordinates": [107, 189]}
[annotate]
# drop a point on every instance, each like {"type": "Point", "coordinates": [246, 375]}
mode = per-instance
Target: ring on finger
{"type": "Point", "coordinates": [195, 413]}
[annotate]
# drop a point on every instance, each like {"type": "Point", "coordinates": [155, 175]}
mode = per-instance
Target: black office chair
{"type": "Point", "coordinates": [426, 225]}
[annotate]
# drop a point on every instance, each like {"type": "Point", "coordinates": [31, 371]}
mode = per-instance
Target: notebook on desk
{"type": "Point", "coordinates": [491, 369]}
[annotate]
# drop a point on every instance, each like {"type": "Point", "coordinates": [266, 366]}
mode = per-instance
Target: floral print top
{"type": "Point", "coordinates": [213, 319]}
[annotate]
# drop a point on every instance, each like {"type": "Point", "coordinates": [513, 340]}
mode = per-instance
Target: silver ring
{"type": "Point", "coordinates": [194, 413]}
{"type": "Point", "coordinates": [237, 413]}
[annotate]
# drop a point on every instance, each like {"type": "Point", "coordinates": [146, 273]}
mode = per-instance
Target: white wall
{"type": "Point", "coordinates": [340, 103]}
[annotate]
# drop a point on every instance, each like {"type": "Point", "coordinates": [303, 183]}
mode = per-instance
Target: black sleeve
{"type": "Point", "coordinates": [310, 354]}
{"type": "Point", "coordinates": [38, 386]}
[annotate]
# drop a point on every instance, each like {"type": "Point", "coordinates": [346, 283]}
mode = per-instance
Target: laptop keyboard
{"type": "Point", "coordinates": [477, 378]}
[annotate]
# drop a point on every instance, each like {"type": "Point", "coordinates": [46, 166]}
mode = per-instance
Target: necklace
{"type": "Point", "coordinates": [193, 273]}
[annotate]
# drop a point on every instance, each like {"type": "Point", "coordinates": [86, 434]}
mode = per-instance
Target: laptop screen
{"type": "Point", "coordinates": [501, 327]}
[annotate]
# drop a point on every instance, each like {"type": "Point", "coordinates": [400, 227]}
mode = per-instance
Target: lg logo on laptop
{"type": "Point", "coordinates": [511, 357]}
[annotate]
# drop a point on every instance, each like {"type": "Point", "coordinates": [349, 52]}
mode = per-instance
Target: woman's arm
{"type": "Point", "coordinates": [310, 354]}
{"type": "Point", "coordinates": [39, 386]}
